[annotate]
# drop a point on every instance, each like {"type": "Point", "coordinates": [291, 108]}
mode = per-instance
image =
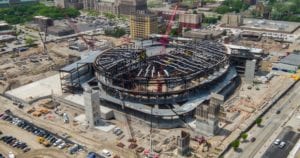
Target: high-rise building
{"type": "Point", "coordinates": [190, 20]}
{"type": "Point", "coordinates": [142, 25]}
{"type": "Point", "coordinates": [69, 3]}
{"type": "Point", "coordinates": [124, 7]}
{"type": "Point", "coordinates": [107, 6]}
{"type": "Point", "coordinates": [128, 7]}
{"type": "Point", "coordinates": [232, 20]}
{"type": "Point", "coordinates": [8, 3]}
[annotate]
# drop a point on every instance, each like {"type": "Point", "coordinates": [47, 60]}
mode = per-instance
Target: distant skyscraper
{"type": "Point", "coordinates": [124, 7]}
{"type": "Point", "coordinates": [78, 4]}
{"type": "Point", "coordinates": [128, 7]}
{"type": "Point", "coordinates": [232, 19]}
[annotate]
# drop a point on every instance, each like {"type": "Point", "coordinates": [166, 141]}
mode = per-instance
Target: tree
{"type": "Point", "coordinates": [115, 32]}
{"type": "Point", "coordinates": [235, 144]}
{"type": "Point", "coordinates": [210, 20]}
{"type": "Point", "coordinates": [110, 15]}
{"type": "Point", "coordinates": [174, 32]}
{"type": "Point", "coordinates": [222, 9]}
{"type": "Point", "coordinates": [258, 121]}
{"type": "Point", "coordinates": [244, 136]}
{"type": "Point", "coordinates": [29, 41]}
{"type": "Point", "coordinates": [17, 14]}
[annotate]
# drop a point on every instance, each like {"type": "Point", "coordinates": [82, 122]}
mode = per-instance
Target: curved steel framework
{"type": "Point", "coordinates": [171, 77]}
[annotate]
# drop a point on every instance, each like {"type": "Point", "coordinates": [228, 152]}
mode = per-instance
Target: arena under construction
{"type": "Point", "coordinates": [167, 82]}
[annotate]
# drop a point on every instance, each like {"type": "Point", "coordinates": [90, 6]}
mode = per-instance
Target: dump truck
{"type": "Point", "coordinates": [40, 140]}
{"type": "Point", "coordinates": [43, 110]}
{"type": "Point", "coordinates": [31, 110]}
{"type": "Point", "coordinates": [46, 143]}
{"type": "Point", "coordinates": [37, 114]}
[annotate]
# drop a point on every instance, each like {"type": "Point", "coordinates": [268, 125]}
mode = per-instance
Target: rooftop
{"type": "Point", "coordinates": [3, 23]}
{"type": "Point", "coordinates": [292, 59]}
{"type": "Point", "coordinates": [42, 17]}
{"type": "Point", "coordinates": [252, 50]}
{"type": "Point", "coordinates": [270, 25]}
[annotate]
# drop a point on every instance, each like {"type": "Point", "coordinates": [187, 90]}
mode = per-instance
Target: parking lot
{"type": "Point", "coordinates": [289, 137]}
{"type": "Point", "coordinates": [36, 137]}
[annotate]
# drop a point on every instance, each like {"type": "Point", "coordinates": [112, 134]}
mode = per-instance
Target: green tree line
{"type": "Point", "coordinates": [232, 6]}
{"type": "Point", "coordinates": [24, 13]}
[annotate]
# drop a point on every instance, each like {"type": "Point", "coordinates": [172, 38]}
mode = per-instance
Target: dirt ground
{"type": "Point", "coordinates": [21, 68]}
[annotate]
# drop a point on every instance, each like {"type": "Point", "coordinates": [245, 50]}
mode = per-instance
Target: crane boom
{"type": "Point", "coordinates": [164, 38]}
{"type": "Point", "coordinates": [73, 26]}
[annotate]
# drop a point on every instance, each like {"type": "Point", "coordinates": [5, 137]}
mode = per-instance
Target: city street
{"type": "Point", "coordinates": [271, 126]}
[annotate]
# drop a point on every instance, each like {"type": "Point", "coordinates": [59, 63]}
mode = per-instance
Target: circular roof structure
{"type": "Point", "coordinates": [180, 68]}
{"type": "Point", "coordinates": [191, 59]}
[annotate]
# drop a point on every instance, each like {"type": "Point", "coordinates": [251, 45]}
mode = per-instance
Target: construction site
{"type": "Point", "coordinates": [169, 85]}
{"type": "Point", "coordinates": [160, 97]}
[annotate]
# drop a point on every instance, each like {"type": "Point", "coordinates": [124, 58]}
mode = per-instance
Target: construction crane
{"type": "Point", "coordinates": [126, 40]}
{"type": "Point", "coordinates": [90, 43]}
{"type": "Point", "coordinates": [164, 39]}
{"type": "Point", "coordinates": [45, 51]}
{"type": "Point", "coordinates": [131, 139]}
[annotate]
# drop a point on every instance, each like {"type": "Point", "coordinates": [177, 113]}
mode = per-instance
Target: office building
{"type": "Point", "coordinates": [142, 25]}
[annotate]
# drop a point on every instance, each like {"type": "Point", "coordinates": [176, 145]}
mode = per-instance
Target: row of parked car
{"type": "Point", "coordinates": [44, 137]}
{"type": "Point", "coordinates": [279, 143]}
{"type": "Point", "coordinates": [14, 142]}
{"type": "Point", "coordinates": [24, 125]}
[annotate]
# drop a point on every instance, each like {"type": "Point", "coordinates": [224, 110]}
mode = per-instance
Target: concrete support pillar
{"type": "Point", "coordinates": [92, 108]}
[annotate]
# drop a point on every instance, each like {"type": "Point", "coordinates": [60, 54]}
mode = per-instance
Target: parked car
{"type": "Point", "coordinates": [282, 145]}
{"type": "Point", "coordinates": [277, 141]}
{"type": "Point", "coordinates": [62, 145]}
{"type": "Point", "coordinates": [106, 152]}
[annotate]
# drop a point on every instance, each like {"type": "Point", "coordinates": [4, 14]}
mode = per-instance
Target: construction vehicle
{"type": "Point", "coordinates": [31, 110]}
{"type": "Point", "coordinates": [89, 43]}
{"type": "Point", "coordinates": [43, 141]}
{"type": "Point", "coordinates": [40, 140]}
{"type": "Point", "coordinates": [43, 111]}
{"type": "Point", "coordinates": [37, 114]}
{"type": "Point", "coordinates": [46, 143]}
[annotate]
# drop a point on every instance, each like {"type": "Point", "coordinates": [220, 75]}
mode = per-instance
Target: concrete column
{"type": "Point", "coordinates": [92, 108]}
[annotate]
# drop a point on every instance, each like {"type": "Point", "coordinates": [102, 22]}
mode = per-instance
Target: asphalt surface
{"type": "Point", "coordinates": [271, 122]}
{"type": "Point", "coordinates": [287, 135]}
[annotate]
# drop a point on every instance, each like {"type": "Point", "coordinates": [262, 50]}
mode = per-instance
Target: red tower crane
{"type": "Point", "coordinates": [164, 39]}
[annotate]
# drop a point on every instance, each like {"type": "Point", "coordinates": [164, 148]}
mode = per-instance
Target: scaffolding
{"type": "Point", "coordinates": [74, 75]}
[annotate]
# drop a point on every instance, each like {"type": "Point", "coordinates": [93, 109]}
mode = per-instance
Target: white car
{"type": "Point", "coordinates": [282, 145]}
{"type": "Point", "coordinates": [59, 141]}
{"type": "Point", "coordinates": [116, 130]}
{"type": "Point", "coordinates": [277, 141]}
{"type": "Point", "coordinates": [62, 145]}
{"type": "Point", "coordinates": [106, 152]}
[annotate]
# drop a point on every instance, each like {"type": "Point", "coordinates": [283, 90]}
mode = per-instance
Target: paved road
{"type": "Point", "coordinates": [288, 136]}
{"type": "Point", "coordinates": [271, 122]}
